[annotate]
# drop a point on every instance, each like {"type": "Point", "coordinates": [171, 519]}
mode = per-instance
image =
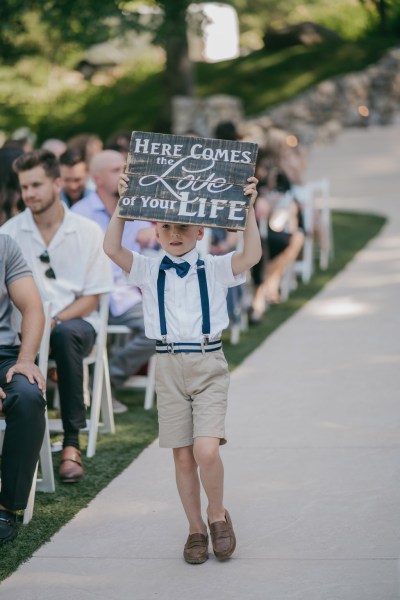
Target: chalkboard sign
{"type": "Point", "coordinates": [180, 179]}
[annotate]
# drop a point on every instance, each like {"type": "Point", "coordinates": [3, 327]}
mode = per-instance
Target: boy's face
{"type": "Point", "coordinates": [178, 238]}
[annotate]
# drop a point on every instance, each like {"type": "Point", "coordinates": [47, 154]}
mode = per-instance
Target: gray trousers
{"type": "Point", "coordinates": [135, 353]}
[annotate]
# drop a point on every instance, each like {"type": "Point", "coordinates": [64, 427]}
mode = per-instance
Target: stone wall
{"type": "Point", "coordinates": [201, 115]}
{"type": "Point", "coordinates": [353, 100]}
{"type": "Point", "coordinates": [356, 99]}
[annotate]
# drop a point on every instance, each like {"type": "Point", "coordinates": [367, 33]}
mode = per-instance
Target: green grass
{"type": "Point", "coordinates": [267, 78]}
{"type": "Point", "coordinates": [137, 428]}
{"type": "Point", "coordinates": [37, 95]}
{"type": "Point", "coordinates": [351, 232]}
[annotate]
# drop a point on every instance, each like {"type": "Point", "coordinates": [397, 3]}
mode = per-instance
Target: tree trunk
{"type": "Point", "coordinates": [382, 6]}
{"type": "Point", "coordinates": [179, 71]}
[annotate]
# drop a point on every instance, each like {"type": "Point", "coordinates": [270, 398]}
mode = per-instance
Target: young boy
{"type": "Point", "coordinates": [184, 303]}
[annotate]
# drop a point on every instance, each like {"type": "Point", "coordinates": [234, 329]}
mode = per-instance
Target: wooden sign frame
{"type": "Point", "coordinates": [182, 179]}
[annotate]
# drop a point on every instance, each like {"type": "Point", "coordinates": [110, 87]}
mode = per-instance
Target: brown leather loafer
{"type": "Point", "coordinates": [223, 537]}
{"type": "Point", "coordinates": [71, 467]}
{"type": "Point", "coordinates": [196, 549]}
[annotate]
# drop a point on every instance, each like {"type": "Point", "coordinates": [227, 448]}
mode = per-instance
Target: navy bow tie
{"type": "Point", "coordinates": [181, 268]}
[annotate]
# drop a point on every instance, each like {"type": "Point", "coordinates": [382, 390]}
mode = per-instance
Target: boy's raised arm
{"type": "Point", "coordinates": [113, 237]}
{"type": "Point", "coordinates": [251, 253]}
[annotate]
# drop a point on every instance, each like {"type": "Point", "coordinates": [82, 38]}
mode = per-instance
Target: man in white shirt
{"type": "Point", "coordinates": [64, 253]}
{"type": "Point", "coordinates": [125, 300]}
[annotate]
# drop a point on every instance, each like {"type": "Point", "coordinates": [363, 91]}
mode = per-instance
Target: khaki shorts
{"type": "Point", "coordinates": [192, 394]}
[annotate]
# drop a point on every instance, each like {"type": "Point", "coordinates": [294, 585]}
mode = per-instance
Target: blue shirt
{"type": "Point", "coordinates": [67, 201]}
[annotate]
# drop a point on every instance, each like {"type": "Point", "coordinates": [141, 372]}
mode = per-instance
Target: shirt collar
{"type": "Point", "coordinates": [190, 257]}
{"type": "Point", "coordinates": [28, 222]}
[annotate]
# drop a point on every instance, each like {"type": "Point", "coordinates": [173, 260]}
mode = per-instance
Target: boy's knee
{"type": "Point", "coordinates": [184, 459]}
{"type": "Point", "coordinates": [206, 454]}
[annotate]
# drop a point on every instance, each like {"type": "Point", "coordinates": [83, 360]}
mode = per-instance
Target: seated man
{"type": "Point", "coordinates": [125, 300]}
{"type": "Point", "coordinates": [74, 175]}
{"type": "Point", "coordinates": [64, 252]}
{"type": "Point", "coordinates": [21, 385]}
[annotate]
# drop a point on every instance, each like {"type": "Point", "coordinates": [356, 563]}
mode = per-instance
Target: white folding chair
{"type": "Point", "coordinates": [304, 266]}
{"type": "Point", "coordinates": [147, 381]}
{"type": "Point", "coordinates": [318, 227]}
{"type": "Point", "coordinates": [46, 482]}
{"type": "Point", "coordinates": [100, 396]}
{"type": "Point", "coordinates": [321, 192]}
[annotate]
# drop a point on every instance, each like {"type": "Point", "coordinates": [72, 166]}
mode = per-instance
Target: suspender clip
{"type": "Point", "coordinates": [204, 342]}
{"type": "Point", "coordinates": [170, 348]}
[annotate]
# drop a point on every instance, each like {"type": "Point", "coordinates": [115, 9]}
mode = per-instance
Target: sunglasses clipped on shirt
{"type": "Point", "coordinates": [45, 258]}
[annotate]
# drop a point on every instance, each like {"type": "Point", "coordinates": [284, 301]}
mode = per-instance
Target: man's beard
{"type": "Point", "coordinates": [48, 205]}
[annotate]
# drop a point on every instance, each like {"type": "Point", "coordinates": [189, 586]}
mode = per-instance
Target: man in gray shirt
{"type": "Point", "coordinates": [65, 254]}
{"type": "Point", "coordinates": [21, 384]}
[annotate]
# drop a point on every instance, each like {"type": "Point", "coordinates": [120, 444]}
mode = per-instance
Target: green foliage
{"type": "Point", "coordinates": [137, 428]}
{"type": "Point", "coordinates": [342, 16]}
{"type": "Point", "coordinates": [132, 103]}
{"type": "Point", "coordinates": [174, 22]}
{"type": "Point", "coordinates": [267, 78]}
{"type": "Point", "coordinates": [35, 26]}
{"type": "Point", "coordinates": [55, 102]}
{"type": "Point", "coordinates": [42, 91]}
{"type": "Point", "coordinates": [11, 25]}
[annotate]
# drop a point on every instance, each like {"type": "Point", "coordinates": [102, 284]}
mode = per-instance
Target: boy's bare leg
{"type": "Point", "coordinates": [206, 455]}
{"type": "Point", "coordinates": [188, 483]}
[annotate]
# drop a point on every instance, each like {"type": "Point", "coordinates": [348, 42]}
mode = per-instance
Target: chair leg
{"type": "Point", "coordinates": [86, 385]}
{"type": "Point", "coordinates": [28, 512]}
{"type": "Point", "coordinates": [96, 404]}
{"type": "Point", "coordinates": [107, 415]}
{"type": "Point", "coordinates": [308, 257]}
{"type": "Point", "coordinates": [46, 483]}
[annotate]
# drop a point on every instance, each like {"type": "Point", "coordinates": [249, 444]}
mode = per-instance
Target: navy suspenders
{"type": "Point", "coordinates": [164, 346]}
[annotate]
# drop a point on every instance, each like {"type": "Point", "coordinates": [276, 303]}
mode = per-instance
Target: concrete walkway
{"type": "Point", "coordinates": [312, 467]}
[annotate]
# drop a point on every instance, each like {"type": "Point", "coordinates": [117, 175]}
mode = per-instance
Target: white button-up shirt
{"type": "Point", "coordinates": [182, 295]}
{"type": "Point", "coordinates": [123, 296]}
{"type": "Point", "coordinates": [76, 257]}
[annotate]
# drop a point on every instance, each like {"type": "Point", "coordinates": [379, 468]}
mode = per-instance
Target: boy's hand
{"type": "Point", "coordinates": [251, 190]}
{"type": "Point", "coordinates": [123, 184]}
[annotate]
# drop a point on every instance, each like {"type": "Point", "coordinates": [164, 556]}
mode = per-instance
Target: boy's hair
{"type": "Point", "coordinates": [226, 130]}
{"type": "Point", "coordinates": [38, 158]}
